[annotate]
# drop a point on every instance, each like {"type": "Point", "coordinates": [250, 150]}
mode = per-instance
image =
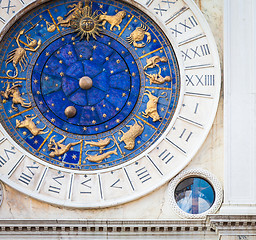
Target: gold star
{"type": "Point", "coordinates": [62, 74]}
{"type": "Point", "coordinates": [47, 54]}
{"type": "Point", "coordinates": [85, 128]}
{"type": "Point", "coordinates": [35, 142]}
{"type": "Point", "coordinates": [73, 38]}
{"type": "Point", "coordinates": [44, 150]}
{"type": "Point", "coordinates": [72, 149]}
{"type": "Point", "coordinates": [107, 95]}
{"type": "Point", "coordinates": [58, 52]}
{"type": "Point", "coordinates": [41, 103]}
{"type": "Point", "coordinates": [109, 43]}
{"type": "Point", "coordinates": [106, 126]}
{"type": "Point", "coordinates": [133, 74]}
{"type": "Point", "coordinates": [24, 133]}
{"type": "Point", "coordinates": [164, 68]}
{"type": "Point", "coordinates": [161, 51]}
{"type": "Point", "coordinates": [117, 120]}
{"type": "Point", "coordinates": [104, 105]}
{"type": "Point", "coordinates": [118, 61]}
{"type": "Point", "coordinates": [37, 122]}
{"type": "Point", "coordinates": [60, 61]}
{"type": "Point", "coordinates": [42, 25]}
{"type": "Point", "coordinates": [162, 109]}
{"type": "Point", "coordinates": [74, 156]}
{"type": "Point", "coordinates": [126, 70]}
{"type": "Point", "coordinates": [66, 129]}
{"type": "Point", "coordinates": [143, 51]}
{"type": "Point", "coordinates": [93, 108]}
{"type": "Point", "coordinates": [96, 129]}
{"type": "Point", "coordinates": [56, 85]}
{"type": "Point", "coordinates": [91, 59]}
{"type": "Point", "coordinates": [139, 142]}
{"type": "Point", "coordinates": [80, 55]}
{"type": "Point", "coordinates": [94, 47]}
{"type": "Point", "coordinates": [40, 16]}
{"type": "Point", "coordinates": [47, 66]}
{"type": "Point", "coordinates": [124, 94]}
{"type": "Point", "coordinates": [93, 122]}
{"type": "Point", "coordinates": [129, 28]}
{"type": "Point", "coordinates": [38, 93]}
{"type": "Point", "coordinates": [63, 99]}
{"type": "Point", "coordinates": [153, 91]}
{"type": "Point", "coordinates": [112, 72]}
{"type": "Point", "coordinates": [104, 115]}
{"type": "Point", "coordinates": [53, 120]}
{"type": "Point", "coordinates": [59, 158]}
{"type": "Point", "coordinates": [116, 10]}
{"type": "Point", "coordinates": [10, 111]}
{"type": "Point", "coordinates": [107, 58]}
{"type": "Point", "coordinates": [117, 109]}
{"type": "Point", "coordinates": [135, 20]}
{"type": "Point", "coordinates": [101, 6]}
{"type": "Point", "coordinates": [133, 62]}
{"type": "Point", "coordinates": [53, 104]}
{"type": "Point", "coordinates": [69, 53]}
{"type": "Point", "coordinates": [129, 103]}
{"type": "Point", "coordinates": [146, 135]}
{"type": "Point", "coordinates": [123, 52]}
{"type": "Point", "coordinates": [63, 39]}
{"type": "Point", "coordinates": [46, 78]}
{"type": "Point", "coordinates": [154, 41]}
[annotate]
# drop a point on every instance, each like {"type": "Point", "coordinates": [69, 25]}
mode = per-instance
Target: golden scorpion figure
{"type": "Point", "coordinates": [19, 55]}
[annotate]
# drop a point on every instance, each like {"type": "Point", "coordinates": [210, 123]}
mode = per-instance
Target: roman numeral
{"type": "Point", "coordinates": [55, 189]}
{"type": "Point", "coordinates": [114, 185]}
{"type": "Point", "coordinates": [183, 27]}
{"type": "Point", "coordinates": [200, 80]}
{"type": "Point", "coordinates": [3, 160]}
{"type": "Point", "coordinates": [143, 174]}
{"type": "Point", "coordinates": [196, 52]}
{"type": "Point", "coordinates": [168, 2]}
{"type": "Point", "coordinates": [160, 10]}
{"type": "Point", "coordinates": [87, 185]}
{"type": "Point", "coordinates": [186, 136]}
{"type": "Point", "coordinates": [27, 177]}
{"type": "Point", "coordinates": [166, 156]}
{"type": "Point", "coordinates": [8, 7]}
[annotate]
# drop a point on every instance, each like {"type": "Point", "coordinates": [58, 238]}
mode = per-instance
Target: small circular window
{"type": "Point", "coordinates": [194, 195]}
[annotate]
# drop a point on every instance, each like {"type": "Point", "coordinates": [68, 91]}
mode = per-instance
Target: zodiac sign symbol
{"type": "Point", "coordinates": [76, 8]}
{"type": "Point", "coordinates": [19, 55]}
{"type": "Point", "coordinates": [13, 91]}
{"type": "Point", "coordinates": [101, 144]}
{"type": "Point", "coordinates": [31, 126]}
{"type": "Point", "coordinates": [129, 137]}
{"type": "Point", "coordinates": [138, 35]}
{"type": "Point", "coordinates": [151, 110]}
{"type": "Point", "coordinates": [153, 61]}
{"type": "Point", "coordinates": [113, 20]}
{"type": "Point", "coordinates": [58, 148]}
{"type": "Point", "coordinates": [50, 26]}
{"type": "Point", "coordinates": [156, 78]}
{"type": "Point", "coordinates": [98, 158]}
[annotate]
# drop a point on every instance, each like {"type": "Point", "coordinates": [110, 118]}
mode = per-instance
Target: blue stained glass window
{"type": "Point", "coordinates": [194, 195]}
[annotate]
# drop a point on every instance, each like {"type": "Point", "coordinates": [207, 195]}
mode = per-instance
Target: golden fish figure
{"type": "Point", "coordinates": [129, 137]}
{"type": "Point", "coordinates": [138, 35]}
{"type": "Point", "coordinates": [99, 158]}
{"type": "Point", "coordinates": [115, 20]}
{"type": "Point", "coordinates": [101, 144]}
{"type": "Point", "coordinates": [31, 126]}
{"type": "Point", "coordinates": [58, 148]}
{"type": "Point", "coordinates": [14, 92]}
{"type": "Point", "coordinates": [151, 110]}
{"type": "Point", "coordinates": [19, 55]}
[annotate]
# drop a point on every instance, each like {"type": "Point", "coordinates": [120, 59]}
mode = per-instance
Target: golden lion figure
{"type": "Point", "coordinates": [115, 20]}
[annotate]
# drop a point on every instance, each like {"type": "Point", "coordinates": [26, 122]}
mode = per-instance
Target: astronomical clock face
{"type": "Point", "coordinates": [104, 101]}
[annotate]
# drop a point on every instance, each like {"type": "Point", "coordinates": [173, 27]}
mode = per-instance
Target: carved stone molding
{"type": "Point", "coordinates": [99, 229]}
{"type": "Point", "coordinates": [196, 173]}
{"type": "Point", "coordinates": [233, 225]}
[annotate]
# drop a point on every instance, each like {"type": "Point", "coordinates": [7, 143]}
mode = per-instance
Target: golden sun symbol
{"type": "Point", "coordinates": [86, 23]}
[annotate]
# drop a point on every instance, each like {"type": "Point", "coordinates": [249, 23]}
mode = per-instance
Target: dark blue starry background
{"type": "Point", "coordinates": [50, 83]}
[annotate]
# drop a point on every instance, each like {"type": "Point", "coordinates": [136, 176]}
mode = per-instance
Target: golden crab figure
{"type": "Point", "coordinates": [86, 23]}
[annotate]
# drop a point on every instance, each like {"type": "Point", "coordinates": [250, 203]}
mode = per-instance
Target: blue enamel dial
{"type": "Point", "coordinates": [134, 75]}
